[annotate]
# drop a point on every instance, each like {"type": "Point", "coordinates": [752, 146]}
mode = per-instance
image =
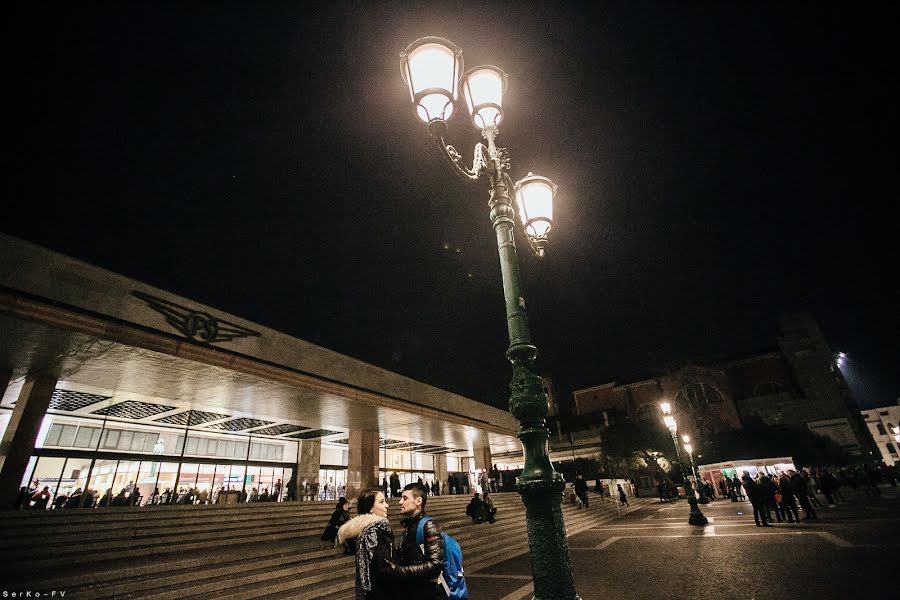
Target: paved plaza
{"type": "Point", "coordinates": [853, 550]}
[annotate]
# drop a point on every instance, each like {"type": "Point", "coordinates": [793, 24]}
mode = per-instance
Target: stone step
{"type": "Point", "coordinates": [264, 570]}
{"type": "Point", "coordinates": [55, 544]}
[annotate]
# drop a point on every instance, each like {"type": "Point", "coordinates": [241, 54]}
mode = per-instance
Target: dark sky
{"type": "Point", "coordinates": [719, 163]}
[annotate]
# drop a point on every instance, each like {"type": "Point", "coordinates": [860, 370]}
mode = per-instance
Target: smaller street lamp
{"type": "Point", "coordinates": [690, 450]}
{"type": "Point", "coordinates": [697, 517]}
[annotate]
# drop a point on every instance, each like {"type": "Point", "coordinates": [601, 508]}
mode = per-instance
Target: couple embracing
{"type": "Point", "coordinates": [414, 569]}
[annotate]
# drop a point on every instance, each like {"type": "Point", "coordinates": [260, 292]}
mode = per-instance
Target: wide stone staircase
{"type": "Point", "coordinates": [264, 550]}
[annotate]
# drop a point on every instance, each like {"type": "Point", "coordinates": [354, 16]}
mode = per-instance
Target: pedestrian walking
{"type": "Point", "coordinates": [581, 489]}
{"type": "Point", "coordinates": [622, 497]}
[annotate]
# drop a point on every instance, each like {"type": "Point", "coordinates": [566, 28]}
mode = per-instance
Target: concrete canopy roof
{"type": "Point", "coordinates": [102, 333]}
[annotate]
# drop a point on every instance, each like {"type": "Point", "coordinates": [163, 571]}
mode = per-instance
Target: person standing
{"type": "Point", "coordinates": [581, 489]}
{"type": "Point", "coordinates": [799, 489]}
{"type": "Point", "coordinates": [416, 572]}
{"type": "Point", "coordinates": [738, 488]}
{"type": "Point", "coordinates": [755, 494]}
{"type": "Point", "coordinates": [788, 503]}
{"type": "Point", "coordinates": [370, 533]}
{"type": "Point", "coordinates": [395, 485]}
{"type": "Point", "coordinates": [622, 497]}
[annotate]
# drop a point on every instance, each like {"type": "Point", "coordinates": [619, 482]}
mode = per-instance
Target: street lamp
{"type": "Point", "coordinates": [690, 450]}
{"type": "Point", "coordinates": [697, 517]}
{"type": "Point", "coordinates": [433, 70]}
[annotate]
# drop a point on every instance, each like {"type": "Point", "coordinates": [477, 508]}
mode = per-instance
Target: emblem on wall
{"type": "Point", "coordinates": [198, 326]}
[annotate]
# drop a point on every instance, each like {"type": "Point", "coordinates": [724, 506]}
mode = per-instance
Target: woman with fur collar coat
{"type": "Point", "coordinates": [371, 531]}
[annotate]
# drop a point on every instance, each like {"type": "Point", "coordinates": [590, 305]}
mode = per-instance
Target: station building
{"type": "Point", "coordinates": [111, 383]}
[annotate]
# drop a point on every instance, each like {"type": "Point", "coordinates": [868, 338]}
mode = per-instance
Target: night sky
{"type": "Point", "coordinates": [718, 163]}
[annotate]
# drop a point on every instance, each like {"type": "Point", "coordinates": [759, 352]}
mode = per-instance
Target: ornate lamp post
{"type": "Point", "coordinates": [697, 517]}
{"type": "Point", "coordinates": [433, 69]}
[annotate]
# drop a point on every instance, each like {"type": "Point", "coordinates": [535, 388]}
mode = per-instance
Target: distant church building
{"type": "Point", "coordinates": [798, 383]}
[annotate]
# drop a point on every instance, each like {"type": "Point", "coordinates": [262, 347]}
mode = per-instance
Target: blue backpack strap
{"type": "Point", "coordinates": [420, 530]}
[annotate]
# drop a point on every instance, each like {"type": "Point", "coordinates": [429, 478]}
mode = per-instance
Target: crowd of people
{"type": "Point", "coordinates": [38, 498]}
{"type": "Point", "coordinates": [781, 497]}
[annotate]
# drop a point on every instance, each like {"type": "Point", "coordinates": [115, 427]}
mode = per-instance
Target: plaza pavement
{"type": "Point", "coordinates": [853, 550]}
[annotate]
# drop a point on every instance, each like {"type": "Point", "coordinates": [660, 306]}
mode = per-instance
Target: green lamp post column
{"type": "Point", "coordinates": [697, 517]}
{"type": "Point", "coordinates": [431, 67]}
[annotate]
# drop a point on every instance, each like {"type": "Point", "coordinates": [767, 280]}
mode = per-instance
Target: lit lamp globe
{"type": "Point", "coordinates": [483, 88]}
{"type": "Point", "coordinates": [669, 420]}
{"type": "Point", "coordinates": [431, 67]}
{"type": "Point", "coordinates": [534, 200]}
{"type": "Point", "coordinates": [689, 448]}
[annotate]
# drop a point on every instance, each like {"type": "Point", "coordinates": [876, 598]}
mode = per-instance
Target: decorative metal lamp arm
{"type": "Point", "coordinates": [437, 128]}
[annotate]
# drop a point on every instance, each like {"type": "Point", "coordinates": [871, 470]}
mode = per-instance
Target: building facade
{"type": "Point", "coordinates": [884, 426]}
{"type": "Point", "coordinates": [799, 383]}
{"type": "Point", "coordinates": [109, 383]}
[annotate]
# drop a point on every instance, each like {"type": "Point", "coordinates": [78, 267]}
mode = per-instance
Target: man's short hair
{"type": "Point", "coordinates": [418, 491]}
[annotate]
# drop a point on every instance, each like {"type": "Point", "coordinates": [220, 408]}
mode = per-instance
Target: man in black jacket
{"type": "Point", "coordinates": [418, 568]}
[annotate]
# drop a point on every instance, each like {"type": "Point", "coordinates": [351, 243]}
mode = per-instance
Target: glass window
{"type": "Point", "coordinates": [205, 481]}
{"type": "Point", "coordinates": [112, 438]}
{"type": "Point", "coordinates": [698, 395]}
{"type": "Point", "coordinates": [202, 446]}
{"type": "Point", "coordinates": [85, 437]}
{"type": "Point", "coordinates": [125, 438]}
{"type": "Point", "coordinates": [150, 442]}
{"type": "Point", "coordinates": [102, 480]}
{"type": "Point", "coordinates": [240, 449]}
{"type": "Point", "coordinates": [192, 445]}
{"type": "Point", "coordinates": [881, 430]}
{"type": "Point", "coordinates": [167, 472]}
{"type": "Point", "coordinates": [67, 435]}
{"type": "Point", "coordinates": [137, 442]}
{"type": "Point", "coordinates": [53, 436]}
{"type": "Point", "coordinates": [146, 482]}
{"type": "Point", "coordinates": [229, 449]}
{"type": "Point", "coordinates": [645, 412]}
{"type": "Point", "coordinates": [187, 479]}
{"type": "Point", "coordinates": [213, 447]}
{"type": "Point", "coordinates": [891, 448]}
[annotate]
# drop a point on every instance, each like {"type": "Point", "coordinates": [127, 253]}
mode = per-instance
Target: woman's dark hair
{"type": "Point", "coordinates": [341, 502]}
{"type": "Point", "coordinates": [367, 501]}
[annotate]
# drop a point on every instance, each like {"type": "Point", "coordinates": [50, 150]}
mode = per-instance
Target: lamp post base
{"type": "Point", "coordinates": [697, 517]}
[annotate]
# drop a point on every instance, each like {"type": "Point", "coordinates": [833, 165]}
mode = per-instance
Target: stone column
{"type": "Point", "coordinates": [440, 472]}
{"type": "Point", "coordinates": [309, 459]}
{"type": "Point", "coordinates": [21, 434]}
{"type": "Point", "coordinates": [483, 464]}
{"type": "Point", "coordinates": [362, 462]}
{"type": "Point", "coordinates": [483, 459]}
